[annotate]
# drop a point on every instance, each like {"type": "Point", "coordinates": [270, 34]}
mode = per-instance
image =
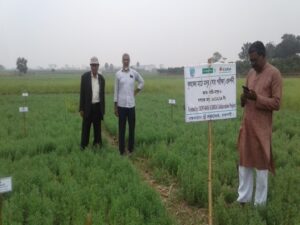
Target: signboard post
{"type": "Point", "coordinates": [172, 102]}
{"type": "Point", "coordinates": [25, 95]}
{"type": "Point", "coordinates": [1, 205]}
{"type": "Point", "coordinates": [24, 110]}
{"type": "Point", "coordinates": [5, 186]}
{"type": "Point", "coordinates": [210, 94]}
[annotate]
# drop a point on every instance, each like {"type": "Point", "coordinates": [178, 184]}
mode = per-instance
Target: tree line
{"type": "Point", "coordinates": [285, 55]}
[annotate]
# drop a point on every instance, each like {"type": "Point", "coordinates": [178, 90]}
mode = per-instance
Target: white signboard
{"type": "Point", "coordinates": [210, 92]}
{"type": "Point", "coordinates": [23, 109]}
{"type": "Point", "coordinates": [5, 185]}
{"type": "Point", "coordinates": [172, 101]}
{"type": "Point", "coordinates": [25, 94]}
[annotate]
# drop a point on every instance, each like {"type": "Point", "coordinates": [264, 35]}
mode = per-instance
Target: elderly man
{"type": "Point", "coordinates": [124, 98]}
{"type": "Point", "coordinates": [262, 95]}
{"type": "Point", "coordinates": [92, 103]}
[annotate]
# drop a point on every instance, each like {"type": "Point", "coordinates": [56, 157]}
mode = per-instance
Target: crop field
{"type": "Point", "coordinates": [55, 183]}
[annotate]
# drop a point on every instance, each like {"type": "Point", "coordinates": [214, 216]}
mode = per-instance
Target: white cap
{"type": "Point", "coordinates": [94, 60]}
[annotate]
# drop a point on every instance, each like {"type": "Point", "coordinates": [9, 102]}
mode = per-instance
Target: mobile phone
{"type": "Point", "coordinates": [246, 89]}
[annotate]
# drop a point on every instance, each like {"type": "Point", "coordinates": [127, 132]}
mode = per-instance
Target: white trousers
{"type": "Point", "coordinates": [246, 185]}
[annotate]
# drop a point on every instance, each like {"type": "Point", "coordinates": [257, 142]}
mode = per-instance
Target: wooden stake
{"type": "Point", "coordinates": [25, 102]}
{"type": "Point", "coordinates": [88, 220]}
{"type": "Point", "coordinates": [24, 116]}
{"type": "Point", "coordinates": [1, 204]}
{"type": "Point", "coordinates": [24, 125]}
{"type": "Point", "coordinates": [210, 202]}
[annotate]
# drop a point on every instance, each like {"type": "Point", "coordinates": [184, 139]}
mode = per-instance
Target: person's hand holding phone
{"type": "Point", "coordinates": [245, 89]}
{"type": "Point", "coordinates": [249, 94]}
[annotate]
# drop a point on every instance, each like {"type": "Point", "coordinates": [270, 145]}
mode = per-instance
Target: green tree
{"type": "Point", "coordinates": [2, 67]}
{"type": "Point", "coordinates": [52, 67]}
{"type": "Point", "coordinates": [271, 50]}
{"type": "Point", "coordinates": [288, 47]}
{"type": "Point", "coordinates": [106, 66]}
{"type": "Point", "coordinates": [111, 67]}
{"type": "Point", "coordinates": [22, 65]}
{"type": "Point", "coordinates": [243, 55]}
{"type": "Point", "coordinates": [242, 68]}
{"type": "Point", "coordinates": [216, 57]}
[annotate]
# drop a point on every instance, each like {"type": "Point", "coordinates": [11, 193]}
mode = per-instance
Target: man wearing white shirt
{"type": "Point", "coordinates": [124, 98]}
{"type": "Point", "coordinates": [92, 103]}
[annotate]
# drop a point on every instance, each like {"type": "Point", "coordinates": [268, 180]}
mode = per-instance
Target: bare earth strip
{"type": "Point", "coordinates": [183, 213]}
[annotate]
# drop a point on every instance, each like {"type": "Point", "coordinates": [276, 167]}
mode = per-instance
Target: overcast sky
{"type": "Point", "coordinates": [169, 32]}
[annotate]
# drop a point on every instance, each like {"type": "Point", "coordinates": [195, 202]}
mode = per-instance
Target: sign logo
{"type": "Point", "coordinates": [207, 70]}
{"type": "Point", "coordinates": [224, 69]}
{"type": "Point", "coordinates": [192, 71]}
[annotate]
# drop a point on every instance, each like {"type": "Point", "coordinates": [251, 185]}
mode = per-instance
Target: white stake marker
{"type": "Point", "coordinates": [23, 109]}
{"type": "Point", "coordinates": [5, 185]}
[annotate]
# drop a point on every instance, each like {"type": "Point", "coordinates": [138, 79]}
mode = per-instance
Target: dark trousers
{"type": "Point", "coordinates": [124, 115]}
{"type": "Point", "coordinates": [94, 118]}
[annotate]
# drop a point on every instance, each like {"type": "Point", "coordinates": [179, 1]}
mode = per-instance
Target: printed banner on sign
{"type": "Point", "coordinates": [210, 92]}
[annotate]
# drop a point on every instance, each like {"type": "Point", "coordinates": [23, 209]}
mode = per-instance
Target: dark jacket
{"type": "Point", "coordinates": [86, 94]}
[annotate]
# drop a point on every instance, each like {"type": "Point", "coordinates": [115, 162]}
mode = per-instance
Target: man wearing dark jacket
{"type": "Point", "coordinates": [92, 103]}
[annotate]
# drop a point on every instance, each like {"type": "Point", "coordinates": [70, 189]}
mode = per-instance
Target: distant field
{"type": "Point", "coordinates": [51, 173]}
{"type": "Point", "coordinates": [173, 85]}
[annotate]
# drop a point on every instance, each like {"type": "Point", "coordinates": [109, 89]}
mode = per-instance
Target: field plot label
{"type": "Point", "coordinates": [5, 185]}
{"type": "Point", "coordinates": [23, 109]}
{"type": "Point", "coordinates": [210, 92]}
{"type": "Point", "coordinates": [25, 94]}
{"type": "Point", "coordinates": [172, 101]}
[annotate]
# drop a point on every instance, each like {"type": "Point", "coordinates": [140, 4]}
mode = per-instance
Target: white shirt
{"type": "Point", "coordinates": [95, 89]}
{"type": "Point", "coordinates": [124, 87]}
